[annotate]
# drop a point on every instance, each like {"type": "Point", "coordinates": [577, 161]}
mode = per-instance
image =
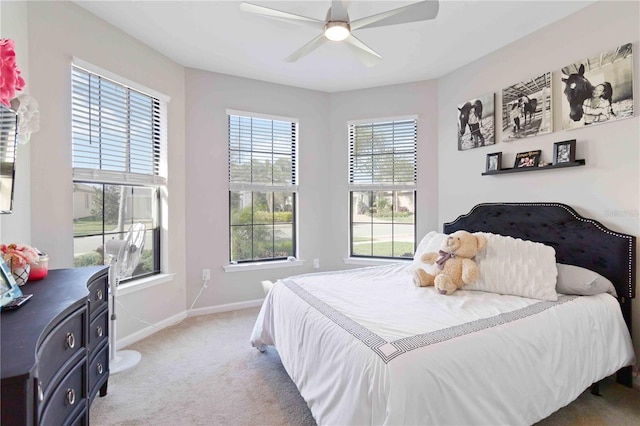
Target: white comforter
{"type": "Point", "coordinates": [366, 346]}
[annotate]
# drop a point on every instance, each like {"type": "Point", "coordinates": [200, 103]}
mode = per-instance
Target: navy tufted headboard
{"type": "Point", "coordinates": [577, 240]}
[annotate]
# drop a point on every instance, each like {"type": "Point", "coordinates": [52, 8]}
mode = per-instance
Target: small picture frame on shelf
{"type": "Point", "coordinates": [564, 152]}
{"type": "Point", "coordinates": [494, 161]}
{"type": "Point", "coordinates": [527, 159]}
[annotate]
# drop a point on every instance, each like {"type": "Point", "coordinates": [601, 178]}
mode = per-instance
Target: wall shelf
{"type": "Point", "coordinates": [533, 169]}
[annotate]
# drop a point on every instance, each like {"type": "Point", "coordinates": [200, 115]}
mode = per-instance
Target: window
{"type": "Point", "coordinates": [262, 187]}
{"type": "Point", "coordinates": [118, 137]}
{"type": "Point", "coordinates": [382, 188]}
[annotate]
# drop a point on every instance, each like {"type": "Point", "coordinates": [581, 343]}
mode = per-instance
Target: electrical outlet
{"type": "Point", "coordinates": [316, 263]}
{"type": "Point", "coordinates": [206, 274]}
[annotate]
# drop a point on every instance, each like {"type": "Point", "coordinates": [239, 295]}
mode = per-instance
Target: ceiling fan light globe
{"type": "Point", "coordinates": [337, 31]}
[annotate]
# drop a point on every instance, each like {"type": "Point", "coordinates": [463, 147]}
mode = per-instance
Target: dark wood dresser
{"type": "Point", "coordinates": [55, 349]}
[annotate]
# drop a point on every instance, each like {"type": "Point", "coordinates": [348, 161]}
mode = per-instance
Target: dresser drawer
{"type": "Point", "coordinates": [98, 330]}
{"type": "Point", "coordinates": [98, 293]}
{"type": "Point", "coordinates": [67, 398]}
{"type": "Point", "coordinates": [98, 371]}
{"type": "Point", "coordinates": [65, 340]}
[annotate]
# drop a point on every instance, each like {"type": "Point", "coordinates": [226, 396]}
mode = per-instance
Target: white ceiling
{"type": "Point", "coordinates": [217, 36]}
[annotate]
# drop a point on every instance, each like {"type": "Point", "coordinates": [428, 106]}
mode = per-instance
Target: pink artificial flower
{"type": "Point", "coordinates": [18, 255]}
{"type": "Point", "coordinates": [10, 78]}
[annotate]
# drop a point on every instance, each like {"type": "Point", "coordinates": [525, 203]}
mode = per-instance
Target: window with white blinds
{"type": "Point", "coordinates": [119, 148]}
{"type": "Point", "coordinates": [117, 131]}
{"type": "Point", "coordinates": [382, 182]}
{"type": "Point", "coordinates": [262, 187]}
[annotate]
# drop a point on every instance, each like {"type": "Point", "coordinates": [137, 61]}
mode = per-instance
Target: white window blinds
{"type": "Point", "coordinates": [383, 154]}
{"type": "Point", "coordinates": [262, 153]}
{"type": "Point", "coordinates": [118, 133]}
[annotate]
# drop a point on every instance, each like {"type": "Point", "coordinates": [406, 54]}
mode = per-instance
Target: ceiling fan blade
{"type": "Point", "coordinates": [421, 11]}
{"type": "Point", "coordinates": [365, 54]}
{"type": "Point", "coordinates": [306, 49]}
{"type": "Point", "coordinates": [282, 16]}
{"type": "Point", "coordinates": [339, 10]}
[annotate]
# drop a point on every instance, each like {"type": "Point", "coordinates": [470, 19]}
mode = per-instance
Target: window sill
{"type": "Point", "coordinates": [143, 283]}
{"type": "Point", "coordinates": [263, 265]}
{"type": "Point", "coordinates": [373, 262]}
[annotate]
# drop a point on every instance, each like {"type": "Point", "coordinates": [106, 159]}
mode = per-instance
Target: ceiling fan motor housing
{"type": "Point", "coordinates": [337, 30]}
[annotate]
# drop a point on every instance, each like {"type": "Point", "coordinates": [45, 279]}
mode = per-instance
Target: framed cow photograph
{"type": "Point", "coordinates": [598, 89]}
{"type": "Point", "coordinates": [476, 124]}
{"type": "Point", "coordinates": [527, 108]}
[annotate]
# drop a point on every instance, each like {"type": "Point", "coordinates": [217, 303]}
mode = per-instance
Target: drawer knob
{"type": "Point", "coordinates": [99, 331]}
{"type": "Point", "coordinates": [40, 392]}
{"type": "Point", "coordinates": [71, 340]}
{"type": "Point", "coordinates": [71, 396]}
{"type": "Point", "coordinates": [100, 369]}
{"type": "Point", "coordinates": [99, 294]}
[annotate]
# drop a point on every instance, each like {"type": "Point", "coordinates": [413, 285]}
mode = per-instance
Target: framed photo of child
{"type": "Point", "coordinates": [598, 89]}
{"type": "Point", "coordinates": [527, 159]}
{"type": "Point", "coordinates": [564, 152]}
{"type": "Point", "coordinates": [476, 123]}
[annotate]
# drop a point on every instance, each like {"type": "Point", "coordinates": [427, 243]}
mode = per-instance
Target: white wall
{"type": "Point", "coordinates": [208, 96]}
{"type": "Point", "coordinates": [418, 98]}
{"type": "Point", "coordinates": [323, 163]}
{"type": "Point", "coordinates": [57, 32]}
{"type": "Point", "coordinates": [607, 188]}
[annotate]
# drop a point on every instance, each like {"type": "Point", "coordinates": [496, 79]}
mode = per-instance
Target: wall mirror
{"type": "Point", "coordinates": [8, 138]}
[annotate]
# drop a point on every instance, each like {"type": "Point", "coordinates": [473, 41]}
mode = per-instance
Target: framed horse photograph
{"type": "Point", "coordinates": [598, 89]}
{"type": "Point", "coordinates": [527, 108]}
{"type": "Point", "coordinates": [476, 123]}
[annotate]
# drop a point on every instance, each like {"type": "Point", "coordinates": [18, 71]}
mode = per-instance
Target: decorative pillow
{"type": "Point", "coordinates": [518, 267]}
{"type": "Point", "coordinates": [582, 281]}
{"type": "Point", "coordinates": [431, 241]}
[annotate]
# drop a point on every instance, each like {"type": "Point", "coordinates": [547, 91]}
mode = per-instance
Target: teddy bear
{"type": "Point", "coordinates": [454, 265]}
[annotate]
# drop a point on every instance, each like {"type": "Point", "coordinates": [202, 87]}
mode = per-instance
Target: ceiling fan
{"type": "Point", "coordinates": [338, 27]}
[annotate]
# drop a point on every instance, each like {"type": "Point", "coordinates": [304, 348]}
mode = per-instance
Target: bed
{"type": "Point", "coordinates": [366, 346]}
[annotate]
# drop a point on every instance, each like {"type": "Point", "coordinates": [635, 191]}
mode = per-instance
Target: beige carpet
{"type": "Point", "coordinates": [203, 371]}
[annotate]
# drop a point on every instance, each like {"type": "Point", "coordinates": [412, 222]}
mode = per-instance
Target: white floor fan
{"type": "Point", "coordinates": [124, 256]}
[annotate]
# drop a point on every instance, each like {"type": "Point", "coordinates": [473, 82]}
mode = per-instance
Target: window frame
{"type": "Point", "coordinates": [372, 188]}
{"type": "Point", "coordinates": [265, 187]}
{"type": "Point", "coordinates": [155, 180]}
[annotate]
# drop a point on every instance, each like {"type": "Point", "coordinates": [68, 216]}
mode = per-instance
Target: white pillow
{"type": "Point", "coordinates": [518, 267]}
{"type": "Point", "coordinates": [585, 282]}
{"type": "Point", "coordinates": [432, 241]}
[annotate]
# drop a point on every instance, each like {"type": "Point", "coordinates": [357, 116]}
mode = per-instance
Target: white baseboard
{"type": "Point", "coordinates": [225, 308]}
{"type": "Point", "coordinates": [148, 331]}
